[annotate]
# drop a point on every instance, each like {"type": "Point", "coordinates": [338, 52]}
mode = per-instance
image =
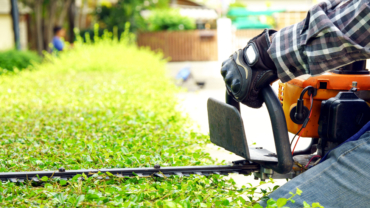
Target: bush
{"type": "Point", "coordinates": [237, 5]}
{"type": "Point", "coordinates": [110, 16]}
{"type": "Point", "coordinates": [17, 59]}
{"type": "Point", "coordinates": [169, 19]}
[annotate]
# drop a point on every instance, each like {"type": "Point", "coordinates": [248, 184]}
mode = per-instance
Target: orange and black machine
{"type": "Point", "coordinates": [328, 109]}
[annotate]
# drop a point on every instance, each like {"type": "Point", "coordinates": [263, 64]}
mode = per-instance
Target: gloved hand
{"type": "Point", "coordinates": [250, 69]}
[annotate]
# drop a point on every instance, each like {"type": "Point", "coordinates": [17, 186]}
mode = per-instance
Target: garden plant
{"type": "Point", "coordinates": [17, 60]}
{"type": "Point", "coordinates": [106, 104]}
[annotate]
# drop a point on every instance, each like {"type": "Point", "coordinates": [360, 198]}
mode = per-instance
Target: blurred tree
{"type": "Point", "coordinates": [237, 5]}
{"type": "Point", "coordinates": [169, 19]}
{"type": "Point", "coordinates": [46, 14]}
{"type": "Point", "coordinates": [110, 16]}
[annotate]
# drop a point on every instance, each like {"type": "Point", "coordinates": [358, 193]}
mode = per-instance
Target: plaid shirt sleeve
{"type": "Point", "coordinates": [334, 33]}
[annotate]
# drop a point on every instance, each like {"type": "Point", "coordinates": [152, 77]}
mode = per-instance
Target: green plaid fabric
{"type": "Point", "coordinates": [335, 33]}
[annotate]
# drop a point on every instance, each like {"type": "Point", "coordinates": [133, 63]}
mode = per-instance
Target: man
{"type": "Point", "coordinates": [335, 33]}
{"type": "Point", "coordinates": [57, 42]}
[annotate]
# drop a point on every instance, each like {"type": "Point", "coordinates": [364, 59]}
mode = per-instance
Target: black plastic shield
{"type": "Point", "coordinates": [226, 128]}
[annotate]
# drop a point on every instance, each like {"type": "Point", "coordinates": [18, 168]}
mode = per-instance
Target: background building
{"type": "Point", "coordinates": [6, 26]}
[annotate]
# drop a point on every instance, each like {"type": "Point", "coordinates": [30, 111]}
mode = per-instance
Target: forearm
{"type": "Point", "coordinates": [331, 36]}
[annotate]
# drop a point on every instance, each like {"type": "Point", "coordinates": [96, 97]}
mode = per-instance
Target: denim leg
{"type": "Point", "coordinates": [343, 180]}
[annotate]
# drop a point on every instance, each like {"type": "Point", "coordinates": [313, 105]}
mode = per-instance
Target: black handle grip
{"type": "Point", "coordinates": [280, 131]}
{"type": "Point", "coordinates": [230, 100]}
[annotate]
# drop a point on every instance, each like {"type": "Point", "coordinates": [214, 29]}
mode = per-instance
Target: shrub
{"type": "Point", "coordinates": [17, 59]}
{"type": "Point", "coordinates": [237, 5]}
{"type": "Point", "coordinates": [169, 19]}
{"type": "Point", "coordinates": [116, 15]}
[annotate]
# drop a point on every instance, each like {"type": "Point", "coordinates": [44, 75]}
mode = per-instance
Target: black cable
{"type": "Point", "coordinates": [307, 119]}
{"type": "Point", "coordinates": [295, 136]}
{"type": "Point", "coordinates": [305, 90]}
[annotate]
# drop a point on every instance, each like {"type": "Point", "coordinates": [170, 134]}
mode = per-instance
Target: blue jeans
{"type": "Point", "coordinates": [342, 180]}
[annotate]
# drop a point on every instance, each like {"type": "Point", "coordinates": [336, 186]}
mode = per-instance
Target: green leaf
{"type": "Point", "coordinates": [84, 176]}
{"type": "Point", "coordinates": [271, 203]}
{"type": "Point", "coordinates": [62, 182]}
{"type": "Point", "coordinates": [299, 192]}
{"type": "Point", "coordinates": [225, 202]}
{"type": "Point", "coordinates": [242, 200]}
{"type": "Point", "coordinates": [275, 187]}
{"type": "Point", "coordinates": [305, 204]}
{"type": "Point", "coordinates": [257, 206]}
{"type": "Point", "coordinates": [80, 199]}
{"type": "Point", "coordinates": [316, 205]}
{"type": "Point", "coordinates": [92, 196]}
{"type": "Point", "coordinates": [281, 202]}
{"type": "Point", "coordinates": [171, 204]}
{"type": "Point", "coordinates": [76, 177]}
{"type": "Point", "coordinates": [124, 150]}
{"type": "Point", "coordinates": [44, 178]}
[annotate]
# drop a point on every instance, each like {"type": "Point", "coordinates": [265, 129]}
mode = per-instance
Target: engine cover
{"type": "Point", "coordinates": [327, 86]}
{"type": "Point", "coordinates": [342, 116]}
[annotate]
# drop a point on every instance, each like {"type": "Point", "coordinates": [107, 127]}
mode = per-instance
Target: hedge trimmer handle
{"type": "Point", "coordinates": [279, 129]}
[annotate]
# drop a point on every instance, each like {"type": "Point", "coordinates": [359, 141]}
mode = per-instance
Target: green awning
{"type": "Point", "coordinates": [242, 12]}
{"type": "Point", "coordinates": [249, 23]}
{"type": "Point", "coordinates": [245, 19]}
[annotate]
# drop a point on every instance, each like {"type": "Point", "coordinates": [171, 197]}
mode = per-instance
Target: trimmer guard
{"type": "Point", "coordinates": [227, 130]}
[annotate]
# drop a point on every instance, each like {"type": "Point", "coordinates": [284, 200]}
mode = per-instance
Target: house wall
{"type": "Point", "coordinates": [192, 45]}
{"type": "Point", "coordinates": [5, 6]}
{"type": "Point", "coordinates": [6, 26]}
{"type": "Point", "coordinates": [6, 32]}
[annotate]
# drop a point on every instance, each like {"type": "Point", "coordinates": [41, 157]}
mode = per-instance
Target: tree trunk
{"type": "Point", "coordinates": [71, 20]}
{"type": "Point", "coordinates": [84, 9]}
{"type": "Point", "coordinates": [38, 23]}
{"type": "Point", "coordinates": [63, 13]}
{"type": "Point", "coordinates": [77, 14]}
{"type": "Point", "coordinates": [50, 23]}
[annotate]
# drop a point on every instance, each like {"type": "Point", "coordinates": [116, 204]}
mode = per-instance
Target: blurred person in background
{"type": "Point", "coordinates": [58, 39]}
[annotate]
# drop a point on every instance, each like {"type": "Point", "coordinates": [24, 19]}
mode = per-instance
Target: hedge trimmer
{"type": "Point", "coordinates": [328, 108]}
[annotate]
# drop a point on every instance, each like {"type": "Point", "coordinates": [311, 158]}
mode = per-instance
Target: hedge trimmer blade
{"type": "Point", "coordinates": [240, 167]}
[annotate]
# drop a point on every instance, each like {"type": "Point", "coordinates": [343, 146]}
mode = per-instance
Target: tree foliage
{"type": "Point", "coordinates": [237, 5]}
{"type": "Point", "coordinates": [127, 11]}
{"type": "Point", "coordinates": [169, 19]}
{"type": "Point", "coordinates": [45, 14]}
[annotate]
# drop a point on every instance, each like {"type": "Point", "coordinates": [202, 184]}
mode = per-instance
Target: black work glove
{"type": "Point", "coordinates": [250, 69]}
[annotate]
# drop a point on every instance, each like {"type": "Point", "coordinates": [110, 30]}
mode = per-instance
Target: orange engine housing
{"type": "Point", "coordinates": [328, 85]}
